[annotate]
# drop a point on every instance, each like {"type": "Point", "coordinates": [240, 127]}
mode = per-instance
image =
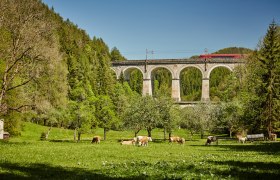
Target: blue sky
{"type": "Point", "coordinates": [171, 28]}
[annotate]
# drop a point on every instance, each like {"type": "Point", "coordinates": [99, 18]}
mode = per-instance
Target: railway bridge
{"type": "Point", "coordinates": [175, 67]}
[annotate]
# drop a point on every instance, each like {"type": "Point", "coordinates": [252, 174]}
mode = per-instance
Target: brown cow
{"type": "Point", "coordinates": [182, 141]}
{"type": "Point", "coordinates": [143, 140]}
{"type": "Point", "coordinates": [174, 139]}
{"type": "Point", "coordinates": [177, 139]}
{"type": "Point", "coordinates": [96, 139]}
{"type": "Point", "coordinates": [273, 136]}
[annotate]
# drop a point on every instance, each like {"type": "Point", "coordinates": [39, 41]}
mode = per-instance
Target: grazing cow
{"type": "Point", "coordinates": [143, 140]}
{"type": "Point", "coordinates": [130, 142]}
{"type": "Point", "coordinates": [242, 139]}
{"type": "Point", "coordinates": [174, 139]}
{"type": "Point", "coordinates": [177, 139]}
{"type": "Point", "coordinates": [238, 136]}
{"type": "Point", "coordinates": [210, 139]}
{"type": "Point", "coordinates": [182, 141]}
{"type": "Point", "coordinates": [96, 139]}
{"type": "Point", "coordinates": [273, 136]}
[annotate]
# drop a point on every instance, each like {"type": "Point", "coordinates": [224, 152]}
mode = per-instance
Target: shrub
{"type": "Point", "coordinates": [43, 136]}
{"type": "Point", "coordinates": [13, 124]}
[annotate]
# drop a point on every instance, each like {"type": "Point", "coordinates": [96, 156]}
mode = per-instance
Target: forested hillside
{"type": "Point", "coordinates": [49, 66]}
{"type": "Point", "coordinates": [234, 50]}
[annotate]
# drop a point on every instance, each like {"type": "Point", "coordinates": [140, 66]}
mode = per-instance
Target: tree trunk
{"type": "Point", "coordinates": [269, 132]}
{"type": "Point", "coordinates": [230, 132]}
{"type": "Point", "coordinates": [201, 134]}
{"type": "Point", "coordinates": [149, 132]}
{"type": "Point", "coordinates": [136, 132]}
{"type": "Point", "coordinates": [79, 136]}
{"type": "Point", "coordinates": [45, 122]}
{"type": "Point", "coordinates": [105, 133]}
{"type": "Point", "coordinates": [3, 90]}
{"type": "Point", "coordinates": [47, 135]}
{"type": "Point", "coordinates": [269, 127]}
{"type": "Point", "coordinates": [191, 135]}
{"type": "Point", "coordinates": [75, 131]}
{"type": "Point", "coordinates": [164, 134]}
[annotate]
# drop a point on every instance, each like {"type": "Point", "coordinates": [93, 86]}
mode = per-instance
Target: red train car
{"type": "Point", "coordinates": [237, 56]}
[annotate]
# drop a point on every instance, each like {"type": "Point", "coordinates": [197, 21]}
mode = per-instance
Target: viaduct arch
{"type": "Point", "coordinates": [175, 67]}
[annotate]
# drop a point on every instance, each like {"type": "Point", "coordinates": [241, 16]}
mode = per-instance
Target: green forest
{"type": "Point", "coordinates": [54, 74]}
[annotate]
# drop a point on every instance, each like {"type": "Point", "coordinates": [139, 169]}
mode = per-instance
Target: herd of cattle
{"type": "Point", "coordinates": [143, 140]}
{"type": "Point", "coordinates": [140, 140]}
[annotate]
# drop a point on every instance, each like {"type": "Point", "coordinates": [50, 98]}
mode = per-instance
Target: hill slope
{"type": "Point", "coordinates": [233, 50]}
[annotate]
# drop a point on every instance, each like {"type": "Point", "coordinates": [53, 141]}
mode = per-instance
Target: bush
{"type": "Point", "coordinates": [13, 124]}
{"type": "Point", "coordinates": [43, 136]}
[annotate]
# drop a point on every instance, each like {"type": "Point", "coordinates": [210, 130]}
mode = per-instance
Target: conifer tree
{"type": "Point", "coordinates": [269, 61]}
{"type": "Point", "coordinates": [261, 95]}
{"type": "Point", "coordinates": [116, 55]}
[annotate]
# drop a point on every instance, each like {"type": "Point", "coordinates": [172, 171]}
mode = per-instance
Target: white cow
{"type": "Point", "coordinates": [131, 142]}
{"type": "Point", "coordinates": [143, 140]}
{"type": "Point", "coordinates": [242, 139]}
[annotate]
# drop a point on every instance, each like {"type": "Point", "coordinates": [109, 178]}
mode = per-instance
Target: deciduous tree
{"type": "Point", "coordinates": [105, 114]}
{"type": "Point", "coordinates": [143, 113]}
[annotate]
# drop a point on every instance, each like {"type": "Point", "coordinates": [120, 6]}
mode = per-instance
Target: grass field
{"type": "Point", "coordinates": [27, 157]}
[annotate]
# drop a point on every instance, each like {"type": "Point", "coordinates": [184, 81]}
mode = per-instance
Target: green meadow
{"type": "Point", "coordinates": [27, 157]}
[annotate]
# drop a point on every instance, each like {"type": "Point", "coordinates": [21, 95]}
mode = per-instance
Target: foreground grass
{"type": "Point", "coordinates": [27, 157]}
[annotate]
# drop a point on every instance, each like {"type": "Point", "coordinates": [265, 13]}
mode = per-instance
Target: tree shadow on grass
{"type": "Point", "coordinates": [158, 170]}
{"type": "Point", "coordinates": [15, 143]}
{"type": "Point", "coordinates": [261, 147]}
{"type": "Point", "coordinates": [248, 170]}
{"type": "Point", "coordinates": [167, 141]}
{"type": "Point", "coordinates": [45, 171]}
{"type": "Point", "coordinates": [267, 147]}
{"type": "Point", "coordinates": [160, 140]}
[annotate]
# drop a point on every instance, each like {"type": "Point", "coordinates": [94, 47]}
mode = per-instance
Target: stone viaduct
{"type": "Point", "coordinates": [175, 67]}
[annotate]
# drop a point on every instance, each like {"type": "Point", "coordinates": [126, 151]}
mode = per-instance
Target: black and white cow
{"type": "Point", "coordinates": [210, 139]}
